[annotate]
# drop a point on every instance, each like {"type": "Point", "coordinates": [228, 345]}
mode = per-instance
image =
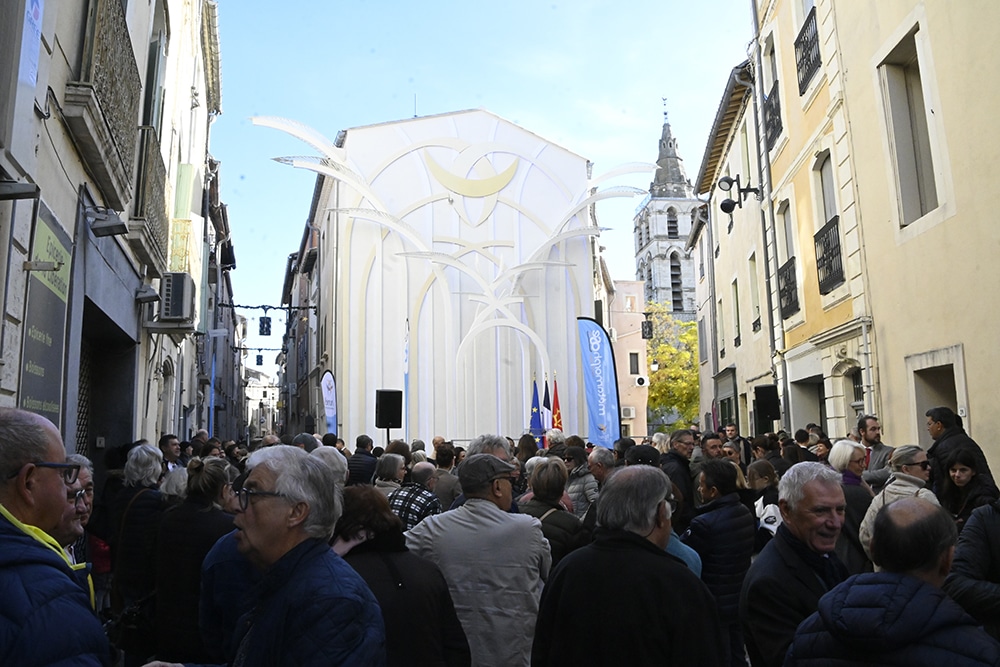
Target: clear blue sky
{"type": "Point", "coordinates": [588, 75]}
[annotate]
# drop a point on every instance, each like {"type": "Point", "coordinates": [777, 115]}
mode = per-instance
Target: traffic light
{"type": "Point", "coordinates": [647, 330]}
{"type": "Point", "coordinates": [265, 326]}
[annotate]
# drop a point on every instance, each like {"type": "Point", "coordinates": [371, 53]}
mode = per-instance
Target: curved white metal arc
{"type": "Point", "coordinates": [622, 169]}
{"type": "Point", "coordinates": [304, 133]}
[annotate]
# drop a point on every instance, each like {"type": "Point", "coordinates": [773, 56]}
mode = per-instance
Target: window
{"type": "Point", "coordinates": [736, 313]}
{"type": "Point", "coordinates": [827, 188]}
{"type": "Point", "coordinates": [633, 363]}
{"type": "Point", "coordinates": [786, 224]}
{"type": "Point", "coordinates": [754, 293]}
{"type": "Point", "coordinates": [722, 330]}
{"type": "Point", "coordinates": [909, 139]}
{"type": "Point", "coordinates": [702, 342]}
{"type": "Point", "coordinates": [649, 280]}
{"type": "Point", "coordinates": [676, 287]}
{"type": "Point", "coordinates": [630, 303]}
{"type": "Point", "coordinates": [672, 230]}
{"type": "Point", "coordinates": [645, 228]}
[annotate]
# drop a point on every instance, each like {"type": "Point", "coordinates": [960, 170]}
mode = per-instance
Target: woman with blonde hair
{"type": "Point", "coordinates": [910, 473]}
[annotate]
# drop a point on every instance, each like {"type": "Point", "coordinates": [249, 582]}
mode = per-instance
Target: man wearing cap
{"type": "Point", "coordinates": [496, 562]}
{"type": "Point", "coordinates": [45, 601]}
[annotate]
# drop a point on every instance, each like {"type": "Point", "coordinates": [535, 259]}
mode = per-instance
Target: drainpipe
{"type": "Point", "coordinates": [764, 176]}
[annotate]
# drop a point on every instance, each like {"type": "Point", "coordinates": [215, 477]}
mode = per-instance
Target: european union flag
{"type": "Point", "coordinates": [536, 415]}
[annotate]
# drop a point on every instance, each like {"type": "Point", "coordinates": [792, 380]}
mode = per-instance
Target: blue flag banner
{"type": "Point", "coordinates": [536, 415]}
{"type": "Point", "coordinates": [600, 383]}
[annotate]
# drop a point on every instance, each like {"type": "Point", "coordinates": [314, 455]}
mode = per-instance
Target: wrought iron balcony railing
{"type": "Point", "coordinates": [829, 263]}
{"type": "Point", "coordinates": [788, 289]}
{"type": "Point", "coordinates": [102, 107]}
{"type": "Point", "coordinates": [148, 227]}
{"type": "Point", "coordinates": [772, 117]}
{"type": "Point", "coordinates": [807, 58]}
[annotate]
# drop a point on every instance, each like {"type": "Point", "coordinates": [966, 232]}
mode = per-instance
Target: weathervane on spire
{"type": "Point", "coordinates": [664, 109]}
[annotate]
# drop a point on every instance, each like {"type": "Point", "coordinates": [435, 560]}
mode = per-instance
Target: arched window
{"type": "Point", "coordinates": [649, 281]}
{"type": "Point", "coordinates": [676, 288]}
{"type": "Point", "coordinates": [645, 227]}
{"type": "Point", "coordinates": [672, 230]}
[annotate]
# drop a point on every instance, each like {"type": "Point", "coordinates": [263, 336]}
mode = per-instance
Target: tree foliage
{"type": "Point", "coordinates": [673, 388]}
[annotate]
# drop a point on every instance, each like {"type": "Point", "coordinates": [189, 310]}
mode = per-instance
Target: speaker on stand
{"type": "Point", "coordinates": [388, 410]}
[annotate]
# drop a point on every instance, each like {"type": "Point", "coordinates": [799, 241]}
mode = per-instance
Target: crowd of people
{"type": "Point", "coordinates": [685, 549]}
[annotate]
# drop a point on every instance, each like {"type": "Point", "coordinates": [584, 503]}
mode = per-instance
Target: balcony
{"type": "Point", "coordinates": [829, 265]}
{"type": "Point", "coordinates": [772, 117]}
{"type": "Point", "coordinates": [807, 59]}
{"type": "Point", "coordinates": [102, 107]}
{"type": "Point", "coordinates": [148, 227]}
{"type": "Point", "coordinates": [788, 290]}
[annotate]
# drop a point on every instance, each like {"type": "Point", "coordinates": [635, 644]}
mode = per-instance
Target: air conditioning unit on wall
{"type": "Point", "coordinates": [176, 298]}
{"type": "Point", "coordinates": [628, 412]}
{"type": "Point", "coordinates": [641, 381]}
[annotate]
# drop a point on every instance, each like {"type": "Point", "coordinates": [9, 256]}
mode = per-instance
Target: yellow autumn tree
{"type": "Point", "coordinates": [673, 387]}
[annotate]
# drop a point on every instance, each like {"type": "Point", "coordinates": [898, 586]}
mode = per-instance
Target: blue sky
{"type": "Point", "coordinates": [588, 75]}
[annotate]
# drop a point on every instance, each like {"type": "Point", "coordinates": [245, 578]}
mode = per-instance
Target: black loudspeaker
{"type": "Point", "coordinates": [768, 405]}
{"type": "Point", "coordinates": [388, 408]}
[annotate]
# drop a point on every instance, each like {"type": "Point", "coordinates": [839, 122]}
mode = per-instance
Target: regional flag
{"type": "Point", "coordinates": [556, 412]}
{"type": "Point", "coordinates": [536, 428]}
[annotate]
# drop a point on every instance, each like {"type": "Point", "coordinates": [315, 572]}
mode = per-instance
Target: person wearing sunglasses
{"type": "Point", "coordinates": [43, 593]}
{"type": "Point", "coordinates": [910, 473]}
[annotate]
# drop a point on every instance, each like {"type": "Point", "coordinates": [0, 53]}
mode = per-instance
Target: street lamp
{"type": "Point", "coordinates": [655, 366]}
{"type": "Point", "coordinates": [726, 183]}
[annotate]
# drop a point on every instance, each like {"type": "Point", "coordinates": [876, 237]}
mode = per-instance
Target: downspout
{"type": "Point", "coordinates": [764, 174]}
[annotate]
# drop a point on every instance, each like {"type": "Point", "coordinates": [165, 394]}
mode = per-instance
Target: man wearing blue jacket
{"type": "Point", "coordinates": [45, 601]}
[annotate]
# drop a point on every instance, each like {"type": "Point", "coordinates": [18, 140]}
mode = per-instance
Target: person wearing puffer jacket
{"type": "Point", "coordinates": [582, 486]}
{"type": "Point", "coordinates": [910, 472]}
{"type": "Point", "coordinates": [723, 535]}
{"type": "Point", "coordinates": [899, 615]}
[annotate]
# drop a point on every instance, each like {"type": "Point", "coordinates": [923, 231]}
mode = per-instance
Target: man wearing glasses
{"type": "Point", "coordinates": [288, 507]}
{"type": "Point", "coordinates": [44, 599]}
{"type": "Point", "coordinates": [495, 561]}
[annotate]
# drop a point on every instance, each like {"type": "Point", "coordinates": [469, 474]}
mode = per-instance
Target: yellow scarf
{"type": "Point", "coordinates": [40, 535]}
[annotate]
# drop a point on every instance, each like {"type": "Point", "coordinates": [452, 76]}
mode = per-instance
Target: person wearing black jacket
{"type": "Point", "coordinates": [946, 429]}
{"type": "Point", "coordinates": [361, 466]}
{"type": "Point", "coordinates": [421, 625]}
{"type": "Point", "coordinates": [626, 574]}
{"type": "Point", "coordinates": [677, 464]}
{"type": "Point", "coordinates": [974, 581]}
{"type": "Point", "coordinates": [723, 535]}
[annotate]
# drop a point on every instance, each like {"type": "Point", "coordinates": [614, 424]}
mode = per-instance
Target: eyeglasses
{"type": "Point", "coordinates": [924, 465]}
{"type": "Point", "coordinates": [70, 471]}
{"type": "Point", "coordinates": [79, 496]}
{"type": "Point", "coordinates": [243, 496]}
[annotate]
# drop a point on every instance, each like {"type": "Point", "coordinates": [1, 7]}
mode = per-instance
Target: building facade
{"type": "Point", "coordinates": [918, 113]}
{"type": "Point", "coordinates": [114, 241]}
{"type": "Point", "coordinates": [445, 257]}
{"type": "Point", "coordinates": [662, 227]}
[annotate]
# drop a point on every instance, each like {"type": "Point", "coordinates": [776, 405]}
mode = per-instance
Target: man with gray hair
{"type": "Point", "coordinates": [288, 510]}
{"type": "Point", "coordinates": [797, 567]}
{"type": "Point", "coordinates": [899, 615]}
{"type": "Point", "coordinates": [626, 573]}
{"type": "Point", "coordinates": [46, 604]}
{"type": "Point", "coordinates": [495, 562]}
